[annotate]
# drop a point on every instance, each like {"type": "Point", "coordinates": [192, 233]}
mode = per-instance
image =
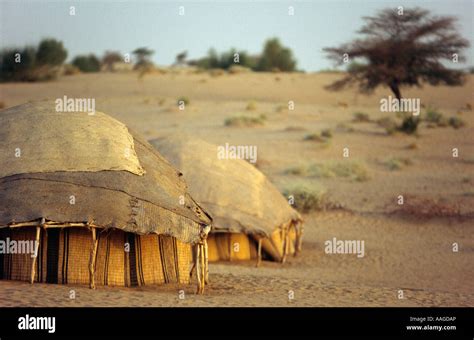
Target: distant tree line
{"type": "Point", "coordinates": [274, 57]}
{"type": "Point", "coordinates": [46, 61]}
{"type": "Point", "coordinates": [32, 63]}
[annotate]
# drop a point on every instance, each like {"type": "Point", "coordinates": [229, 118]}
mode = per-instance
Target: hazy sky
{"type": "Point", "coordinates": [125, 25]}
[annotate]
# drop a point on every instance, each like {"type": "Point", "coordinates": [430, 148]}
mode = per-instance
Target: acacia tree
{"type": "Point", "coordinates": [143, 56]}
{"type": "Point", "coordinates": [110, 58]}
{"type": "Point", "coordinates": [181, 58]}
{"type": "Point", "coordinates": [402, 49]}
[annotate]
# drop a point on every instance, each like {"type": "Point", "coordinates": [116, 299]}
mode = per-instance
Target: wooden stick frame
{"type": "Point", "coordinates": [37, 245]}
{"type": "Point", "coordinates": [92, 259]}
{"type": "Point", "coordinates": [259, 252]}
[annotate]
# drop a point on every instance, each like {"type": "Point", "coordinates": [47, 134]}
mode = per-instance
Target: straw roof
{"type": "Point", "coordinates": [117, 179]}
{"type": "Point", "coordinates": [239, 197]}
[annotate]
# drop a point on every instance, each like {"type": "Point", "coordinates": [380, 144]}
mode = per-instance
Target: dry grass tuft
{"type": "Point", "coordinates": [305, 199]}
{"type": "Point", "coordinates": [397, 163]}
{"type": "Point", "coordinates": [245, 121]}
{"type": "Point", "coordinates": [361, 117]}
{"type": "Point", "coordinates": [353, 170]}
{"type": "Point", "coordinates": [251, 106]}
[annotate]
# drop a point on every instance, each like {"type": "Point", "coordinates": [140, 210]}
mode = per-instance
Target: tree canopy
{"type": "Point", "coordinates": [402, 48]}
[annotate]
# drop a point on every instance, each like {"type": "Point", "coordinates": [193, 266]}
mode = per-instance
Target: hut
{"type": "Point", "coordinates": [251, 218]}
{"type": "Point", "coordinates": [100, 204]}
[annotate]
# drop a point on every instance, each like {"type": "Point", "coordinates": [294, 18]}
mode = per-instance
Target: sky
{"type": "Point", "coordinates": [125, 25]}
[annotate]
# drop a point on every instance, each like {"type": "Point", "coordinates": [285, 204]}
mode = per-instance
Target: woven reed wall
{"type": "Point", "coordinates": [222, 246]}
{"type": "Point", "coordinates": [17, 266]}
{"type": "Point", "coordinates": [64, 256]}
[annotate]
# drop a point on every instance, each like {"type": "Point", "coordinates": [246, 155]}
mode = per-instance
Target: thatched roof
{"type": "Point", "coordinates": [72, 141]}
{"type": "Point", "coordinates": [239, 197]}
{"type": "Point", "coordinates": [135, 190]}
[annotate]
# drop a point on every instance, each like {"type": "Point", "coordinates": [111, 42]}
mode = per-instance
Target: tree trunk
{"type": "Point", "coordinates": [395, 89]}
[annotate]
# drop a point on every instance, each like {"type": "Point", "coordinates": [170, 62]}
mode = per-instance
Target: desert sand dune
{"type": "Point", "coordinates": [403, 250]}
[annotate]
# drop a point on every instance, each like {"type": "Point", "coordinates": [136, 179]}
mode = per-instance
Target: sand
{"type": "Point", "coordinates": [402, 252]}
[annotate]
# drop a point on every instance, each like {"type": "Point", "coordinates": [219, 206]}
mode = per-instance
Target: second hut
{"type": "Point", "coordinates": [251, 218]}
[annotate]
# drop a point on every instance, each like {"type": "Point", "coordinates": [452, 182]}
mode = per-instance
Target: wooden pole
{"type": "Point", "coordinates": [198, 268]}
{"type": "Point", "coordinates": [206, 262]}
{"type": "Point", "coordinates": [203, 269]}
{"type": "Point", "coordinates": [299, 237]}
{"type": "Point", "coordinates": [194, 250]}
{"type": "Point", "coordinates": [284, 238]}
{"type": "Point", "coordinates": [37, 245]}
{"type": "Point", "coordinates": [295, 227]}
{"type": "Point", "coordinates": [92, 259]}
{"type": "Point", "coordinates": [259, 252]}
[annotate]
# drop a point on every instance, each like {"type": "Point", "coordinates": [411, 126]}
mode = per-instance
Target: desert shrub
{"type": "Point", "coordinates": [323, 136]}
{"type": "Point", "coordinates": [236, 69]}
{"type": "Point", "coordinates": [299, 170]}
{"type": "Point", "coordinates": [343, 127]}
{"type": "Point", "coordinates": [293, 128]}
{"type": "Point", "coordinates": [216, 72]}
{"type": "Point", "coordinates": [251, 106]}
{"type": "Point", "coordinates": [70, 70]}
{"type": "Point", "coordinates": [456, 122]}
{"type": "Point", "coordinates": [51, 52]}
{"type": "Point", "coordinates": [276, 57]}
{"type": "Point", "coordinates": [281, 108]}
{"type": "Point", "coordinates": [307, 199]}
{"type": "Point", "coordinates": [326, 133]}
{"type": "Point", "coordinates": [433, 116]}
{"type": "Point", "coordinates": [315, 137]}
{"type": "Point", "coordinates": [388, 123]}
{"type": "Point", "coordinates": [44, 73]}
{"type": "Point", "coordinates": [183, 100]}
{"type": "Point", "coordinates": [360, 117]}
{"type": "Point", "coordinates": [352, 170]}
{"type": "Point", "coordinates": [409, 125]}
{"type": "Point", "coordinates": [87, 63]}
{"type": "Point", "coordinates": [245, 121]}
{"type": "Point", "coordinates": [397, 163]}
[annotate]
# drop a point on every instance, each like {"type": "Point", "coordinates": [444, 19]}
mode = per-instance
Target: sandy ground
{"type": "Point", "coordinates": [402, 252]}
